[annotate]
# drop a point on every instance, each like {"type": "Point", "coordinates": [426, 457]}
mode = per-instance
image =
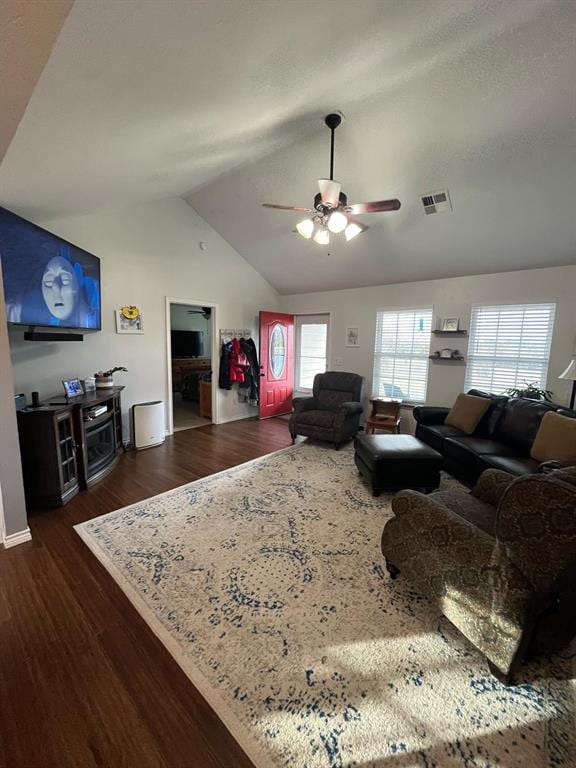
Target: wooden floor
{"type": "Point", "coordinates": [83, 682]}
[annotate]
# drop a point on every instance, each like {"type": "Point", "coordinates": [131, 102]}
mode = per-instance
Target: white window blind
{"type": "Point", "coordinates": [311, 350]}
{"type": "Point", "coordinates": [509, 346]}
{"type": "Point", "coordinates": [401, 354]}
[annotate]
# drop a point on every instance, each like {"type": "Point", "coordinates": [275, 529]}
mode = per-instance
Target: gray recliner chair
{"type": "Point", "coordinates": [333, 412]}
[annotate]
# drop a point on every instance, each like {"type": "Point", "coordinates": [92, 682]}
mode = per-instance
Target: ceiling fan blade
{"type": "Point", "coordinates": [375, 207]}
{"type": "Point", "coordinates": [329, 192]}
{"type": "Point", "coordinates": [287, 208]}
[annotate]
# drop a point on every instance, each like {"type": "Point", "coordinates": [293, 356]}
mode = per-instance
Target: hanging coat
{"type": "Point", "coordinates": [249, 391]}
{"type": "Point", "coordinates": [224, 372]}
{"type": "Point", "coordinates": [238, 362]}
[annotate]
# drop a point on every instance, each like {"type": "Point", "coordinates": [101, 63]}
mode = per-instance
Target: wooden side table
{"type": "Point", "coordinates": [385, 415]}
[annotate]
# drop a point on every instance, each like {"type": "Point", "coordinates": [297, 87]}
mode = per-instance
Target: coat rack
{"type": "Point", "coordinates": [226, 334]}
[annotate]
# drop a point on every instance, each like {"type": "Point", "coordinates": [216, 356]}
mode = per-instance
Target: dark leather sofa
{"type": "Point", "coordinates": [502, 439]}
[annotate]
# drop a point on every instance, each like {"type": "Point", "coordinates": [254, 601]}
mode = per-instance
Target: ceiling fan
{"type": "Point", "coordinates": [331, 211]}
{"type": "Point", "coordinates": [205, 312]}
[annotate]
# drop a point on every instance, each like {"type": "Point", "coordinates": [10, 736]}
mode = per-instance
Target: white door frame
{"type": "Point", "coordinates": [213, 356]}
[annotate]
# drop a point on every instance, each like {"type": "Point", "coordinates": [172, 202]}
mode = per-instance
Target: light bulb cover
{"type": "Point", "coordinates": [352, 230]}
{"type": "Point", "coordinates": [305, 228]}
{"type": "Point", "coordinates": [337, 222]}
{"type": "Point", "coordinates": [322, 236]}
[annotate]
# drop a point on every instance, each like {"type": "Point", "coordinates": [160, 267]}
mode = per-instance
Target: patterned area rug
{"type": "Point", "coordinates": [267, 585]}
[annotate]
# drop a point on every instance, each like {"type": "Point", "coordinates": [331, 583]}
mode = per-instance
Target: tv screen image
{"type": "Point", "coordinates": [48, 282]}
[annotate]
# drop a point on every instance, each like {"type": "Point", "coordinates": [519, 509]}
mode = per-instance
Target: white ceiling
{"type": "Point", "coordinates": [222, 102]}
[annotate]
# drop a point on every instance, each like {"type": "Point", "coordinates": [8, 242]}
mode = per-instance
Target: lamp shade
{"type": "Point", "coordinates": [570, 372]}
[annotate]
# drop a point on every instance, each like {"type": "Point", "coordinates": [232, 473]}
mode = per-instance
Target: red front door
{"type": "Point", "coordinates": [276, 363]}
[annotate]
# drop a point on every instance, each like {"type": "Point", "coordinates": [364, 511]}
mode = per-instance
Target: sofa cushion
{"type": "Point", "coordinates": [556, 439]}
{"type": "Point", "coordinates": [477, 445]}
{"type": "Point", "coordinates": [489, 421]}
{"type": "Point", "coordinates": [515, 465]}
{"type": "Point", "coordinates": [476, 511]}
{"type": "Point", "coordinates": [520, 422]}
{"type": "Point", "coordinates": [434, 435]}
{"type": "Point", "coordinates": [332, 399]}
{"type": "Point", "coordinates": [323, 419]}
{"type": "Point", "coordinates": [466, 412]}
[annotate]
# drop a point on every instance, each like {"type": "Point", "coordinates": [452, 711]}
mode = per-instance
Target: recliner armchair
{"type": "Point", "coordinates": [500, 561]}
{"type": "Point", "coordinates": [333, 412]}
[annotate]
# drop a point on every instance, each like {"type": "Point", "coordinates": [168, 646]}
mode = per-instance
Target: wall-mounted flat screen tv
{"type": "Point", "coordinates": [187, 343]}
{"type": "Point", "coordinates": [48, 282]}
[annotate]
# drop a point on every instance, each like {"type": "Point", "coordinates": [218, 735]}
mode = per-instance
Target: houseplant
{"type": "Point", "coordinates": [105, 379]}
{"type": "Point", "coordinates": [531, 391]}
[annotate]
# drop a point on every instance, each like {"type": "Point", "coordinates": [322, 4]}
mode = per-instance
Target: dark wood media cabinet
{"type": "Point", "coordinates": [64, 449]}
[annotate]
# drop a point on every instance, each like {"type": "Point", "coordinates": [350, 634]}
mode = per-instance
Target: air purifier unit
{"type": "Point", "coordinates": [148, 424]}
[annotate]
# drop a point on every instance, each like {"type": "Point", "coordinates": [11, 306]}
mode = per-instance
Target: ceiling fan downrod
{"type": "Point", "coordinates": [332, 121]}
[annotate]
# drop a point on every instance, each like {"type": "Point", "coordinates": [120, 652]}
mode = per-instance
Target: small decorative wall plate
{"type": "Point", "coordinates": [129, 320]}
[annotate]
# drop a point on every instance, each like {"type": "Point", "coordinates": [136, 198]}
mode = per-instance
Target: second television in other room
{"type": "Point", "coordinates": [187, 343]}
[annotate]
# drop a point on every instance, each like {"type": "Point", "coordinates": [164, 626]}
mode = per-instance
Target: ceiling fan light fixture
{"type": "Point", "coordinates": [337, 222]}
{"type": "Point", "coordinates": [329, 192]}
{"type": "Point", "coordinates": [305, 228]}
{"type": "Point", "coordinates": [322, 236]}
{"type": "Point", "coordinates": [352, 230]}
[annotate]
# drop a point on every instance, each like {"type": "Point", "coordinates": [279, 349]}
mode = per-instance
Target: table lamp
{"type": "Point", "coordinates": [570, 373]}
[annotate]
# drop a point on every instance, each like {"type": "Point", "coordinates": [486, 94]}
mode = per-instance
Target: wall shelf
{"type": "Point", "coordinates": [450, 333]}
{"type": "Point", "coordinates": [439, 359]}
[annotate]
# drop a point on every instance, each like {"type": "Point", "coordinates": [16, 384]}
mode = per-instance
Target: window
{"type": "Point", "coordinates": [311, 349]}
{"type": "Point", "coordinates": [401, 354]}
{"type": "Point", "coordinates": [509, 346]}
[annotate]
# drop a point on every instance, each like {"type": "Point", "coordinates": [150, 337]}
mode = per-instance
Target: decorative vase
{"type": "Point", "coordinates": [104, 382]}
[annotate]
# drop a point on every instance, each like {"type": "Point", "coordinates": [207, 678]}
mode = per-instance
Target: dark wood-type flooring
{"type": "Point", "coordinates": [83, 681]}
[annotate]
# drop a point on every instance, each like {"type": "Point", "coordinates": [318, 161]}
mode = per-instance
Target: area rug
{"type": "Point", "coordinates": [267, 585]}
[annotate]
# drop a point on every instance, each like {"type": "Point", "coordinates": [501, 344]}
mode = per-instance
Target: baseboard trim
{"type": "Point", "coordinates": [13, 539]}
{"type": "Point", "coordinates": [228, 419]}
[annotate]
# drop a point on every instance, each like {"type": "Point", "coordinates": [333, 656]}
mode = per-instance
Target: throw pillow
{"type": "Point", "coordinates": [466, 412]}
{"type": "Point", "coordinates": [556, 439]}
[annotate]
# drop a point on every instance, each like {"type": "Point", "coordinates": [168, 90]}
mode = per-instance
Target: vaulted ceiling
{"type": "Point", "coordinates": [222, 103]}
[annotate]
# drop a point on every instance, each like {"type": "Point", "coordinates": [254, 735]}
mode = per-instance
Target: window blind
{"type": "Point", "coordinates": [312, 340]}
{"type": "Point", "coordinates": [509, 346]}
{"type": "Point", "coordinates": [401, 354]}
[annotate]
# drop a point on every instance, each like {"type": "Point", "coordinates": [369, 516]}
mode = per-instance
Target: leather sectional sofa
{"type": "Point", "coordinates": [502, 439]}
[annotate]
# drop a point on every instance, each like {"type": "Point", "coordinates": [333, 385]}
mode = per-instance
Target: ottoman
{"type": "Point", "coordinates": [393, 462]}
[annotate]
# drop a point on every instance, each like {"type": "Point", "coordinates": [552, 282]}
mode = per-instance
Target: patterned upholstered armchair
{"type": "Point", "coordinates": [333, 412]}
{"type": "Point", "coordinates": [500, 561]}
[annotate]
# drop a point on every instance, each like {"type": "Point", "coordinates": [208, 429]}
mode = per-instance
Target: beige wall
{"type": "Point", "coordinates": [148, 252]}
{"type": "Point", "coordinates": [449, 298]}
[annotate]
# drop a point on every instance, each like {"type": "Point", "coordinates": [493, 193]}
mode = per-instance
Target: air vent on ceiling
{"type": "Point", "coordinates": [437, 202]}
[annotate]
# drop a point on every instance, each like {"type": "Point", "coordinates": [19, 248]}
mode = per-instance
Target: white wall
{"type": "Point", "coordinates": [13, 505]}
{"type": "Point", "coordinates": [148, 252]}
{"type": "Point", "coordinates": [449, 298]}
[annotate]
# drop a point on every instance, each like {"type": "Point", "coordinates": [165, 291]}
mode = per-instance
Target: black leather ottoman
{"type": "Point", "coordinates": [393, 462]}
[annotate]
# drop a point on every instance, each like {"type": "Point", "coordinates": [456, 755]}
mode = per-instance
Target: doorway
{"type": "Point", "coordinates": [191, 355]}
